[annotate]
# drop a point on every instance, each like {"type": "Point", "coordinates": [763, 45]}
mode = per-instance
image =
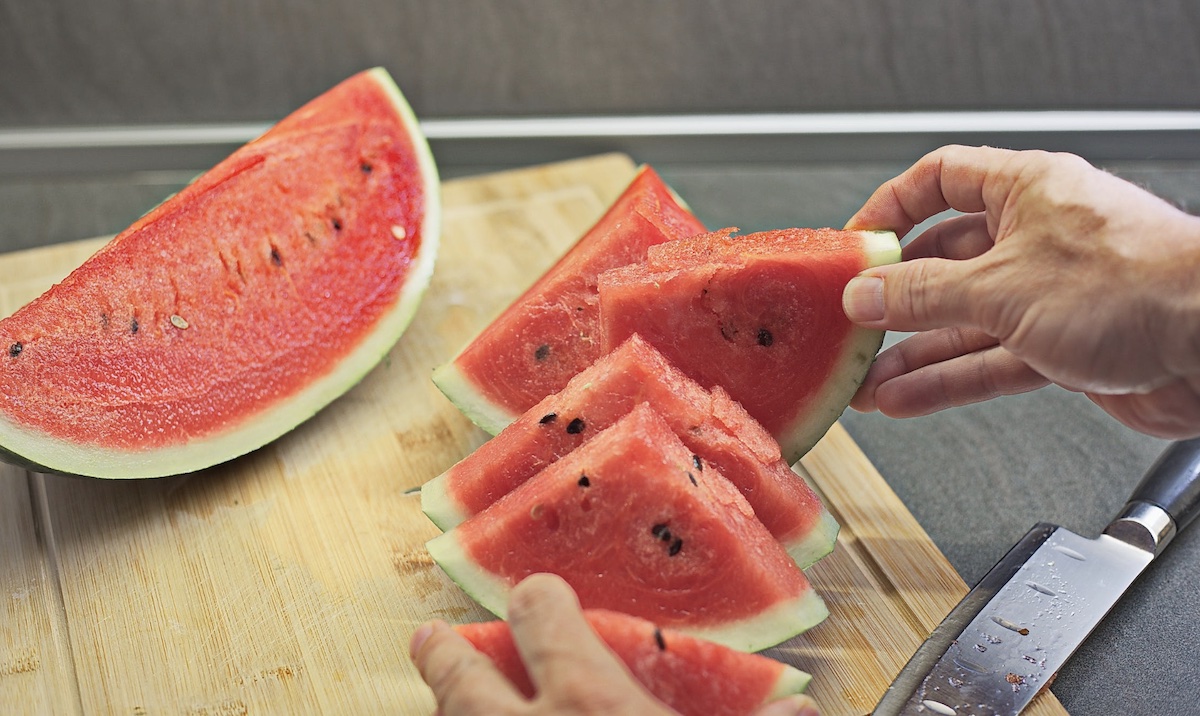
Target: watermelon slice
{"type": "Point", "coordinates": [628, 522]}
{"type": "Point", "coordinates": [760, 315]}
{"type": "Point", "coordinates": [716, 430]}
{"type": "Point", "coordinates": [692, 676]}
{"type": "Point", "coordinates": [551, 332]}
{"type": "Point", "coordinates": [237, 308]}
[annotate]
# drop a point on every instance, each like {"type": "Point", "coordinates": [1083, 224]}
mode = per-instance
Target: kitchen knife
{"type": "Point", "coordinates": [1012, 633]}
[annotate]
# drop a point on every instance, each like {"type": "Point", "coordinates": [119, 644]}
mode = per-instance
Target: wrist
{"type": "Point", "coordinates": [1182, 296]}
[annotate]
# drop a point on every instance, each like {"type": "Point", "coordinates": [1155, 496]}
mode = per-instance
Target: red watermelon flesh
{"type": "Point", "coordinates": [551, 332]}
{"type": "Point", "coordinates": [760, 315]}
{"type": "Point", "coordinates": [716, 430]}
{"type": "Point", "coordinates": [692, 676]}
{"type": "Point", "coordinates": [620, 520]}
{"type": "Point", "coordinates": [236, 308]}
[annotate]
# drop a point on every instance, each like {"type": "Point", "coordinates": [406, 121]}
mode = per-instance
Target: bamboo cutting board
{"type": "Point", "coordinates": [289, 581]}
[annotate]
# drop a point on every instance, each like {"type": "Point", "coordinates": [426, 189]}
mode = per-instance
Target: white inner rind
{"type": "Point", "coordinates": [467, 397]}
{"type": "Point", "coordinates": [791, 681]}
{"type": "Point", "coordinates": [439, 506]}
{"type": "Point", "coordinates": [819, 542]}
{"type": "Point", "coordinates": [769, 627]}
{"type": "Point", "coordinates": [850, 366]}
{"type": "Point", "coordinates": [56, 455]}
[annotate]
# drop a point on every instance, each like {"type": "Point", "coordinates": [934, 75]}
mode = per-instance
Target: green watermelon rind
{"type": "Point", "coordinates": [768, 628]}
{"type": "Point", "coordinates": [488, 415]}
{"type": "Point", "coordinates": [36, 451]}
{"type": "Point", "coordinates": [880, 248]}
{"type": "Point", "coordinates": [439, 506]}
{"type": "Point", "coordinates": [791, 681]}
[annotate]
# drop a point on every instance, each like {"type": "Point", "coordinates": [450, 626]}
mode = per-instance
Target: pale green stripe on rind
{"type": "Point", "coordinates": [880, 248]}
{"type": "Point", "coordinates": [819, 542]}
{"type": "Point", "coordinates": [470, 400]}
{"type": "Point", "coordinates": [47, 454]}
{"type": "Point", "coordinates": [766, 629]}
{"type": "Point", "coordinates": [791, 681]}
{"type": "Point", "coordinates": [437, 504]}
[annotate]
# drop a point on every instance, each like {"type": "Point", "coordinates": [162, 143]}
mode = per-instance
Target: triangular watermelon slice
{"type": "Point", "coordinates": [693, 676]}
{"type": "Point", "coordinates": [238, 307]}
{"type": "Point", "coordinates": [551, 332]}
{"type": "Point", "coordinates": [718, 432]}
{"type": "Point", "coordinates": [621, 520]}
{"type": "Point", "coordinates": [760, 315]}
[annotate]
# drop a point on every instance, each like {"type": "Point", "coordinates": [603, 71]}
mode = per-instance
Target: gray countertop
{"type": "Point", "coordinates": [976, 478]}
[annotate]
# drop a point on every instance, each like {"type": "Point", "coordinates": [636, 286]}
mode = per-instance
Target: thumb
{"type": "Point", "coordinates": [915, 295]}
{"type": "Point", "coordinates": [798, 705]}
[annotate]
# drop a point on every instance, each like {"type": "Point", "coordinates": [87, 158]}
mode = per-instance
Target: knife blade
{"type": "Point", "coordinates": [1010, 635]}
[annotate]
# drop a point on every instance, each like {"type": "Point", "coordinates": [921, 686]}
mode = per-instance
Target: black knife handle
{"type": "Point", "coordinates": [1173, 482]}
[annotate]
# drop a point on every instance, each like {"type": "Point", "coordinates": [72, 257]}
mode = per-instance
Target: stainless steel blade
{"type": "Point", "coordinates": [1013, 642]}
{"type": "Point", "coordinates": [1012, 633]}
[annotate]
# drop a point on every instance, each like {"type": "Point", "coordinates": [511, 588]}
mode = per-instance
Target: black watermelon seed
{"type": "Point", "coordinates": [697, 462]}
{"type": "Point", "coordinates": [548, 418]}
{"type": "Point", "coordinates": [575, 427]}
{"type": "Point", "coordinates": [660, 530]}
{"type": "Point", "coordinates": [675, 547]}
{"type": "Point", "coordinates": [584, 481]}
{"type": "Point", "coordinates": [337, 224]}
{"type": "Point", "coordinates": [658, 639]}
{"type": "Point", "coordinates": [764, 337]}
{"type": "Point", "coordinates": [275, 257]}
{"type": "Point", "coordinates": [133, 326]}
{"type": "Point", "coordinates": [366, 167]}
{"type": "Point", "coordinates": [542, 352]}
{"type": "Point", "coordinates": [15, 349]}
{"type": "Point", "coordinates": [692, 478]}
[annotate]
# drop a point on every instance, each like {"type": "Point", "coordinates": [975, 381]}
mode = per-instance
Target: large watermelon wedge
{"type": "Point", "coordinates": [237, 308]}
{"type": "Point", "coordinates": [715, 429]}
{"type": "Point", "coordinates": [629, 524]}
{"type": "Point", "coordinates": [692, 676]}
{"type": "Point", "coordinates": [760, 315]}
{"type": "Point", "coordinates": [551, 331]}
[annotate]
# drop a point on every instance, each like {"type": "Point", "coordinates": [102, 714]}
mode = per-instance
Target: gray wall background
{"type": "Point", "coordinates": [70, 62]}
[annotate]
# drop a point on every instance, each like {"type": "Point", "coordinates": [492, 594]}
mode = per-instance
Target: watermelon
{"type": "Point", "coordinates": [237, 308]}
{"type": "Point", "coordinates": [692, 676]}
{"type": "Point", "coordinates": [716, 430]}
{"type": "Point", "coordinates": [632, 526]}
{"type": "Point", "coordinates": [551, 332]}
{"type": "Point", "coordinates": [760, 315]}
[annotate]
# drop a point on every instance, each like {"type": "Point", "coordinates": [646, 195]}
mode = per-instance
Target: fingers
{"type": "Point", "coordinates": [952, 177]}
{"type": "Point", "coordinates": [940, 370]}
{"type": "Point", "coordinates": [914, 295]}
{"type": "Point", "coordinates": [798, 705]}
{"type": "Point", "coordinates": [917, 352]}
{"type": "Point", "coordinates": [557, 644]}
{"type": "Point", "coordinates": [463, 680]}
{"type": "Point", "coordinates": [961, 237]}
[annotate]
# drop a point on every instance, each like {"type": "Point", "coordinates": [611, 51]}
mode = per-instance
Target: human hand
{"type": "Point", "coordinates": [572, 669]}
{"type": "Point", "coordinates": [1057, 272]}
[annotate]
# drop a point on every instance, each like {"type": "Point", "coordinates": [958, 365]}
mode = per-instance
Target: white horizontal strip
{"type": "Point", "coordinates": [715, 125]}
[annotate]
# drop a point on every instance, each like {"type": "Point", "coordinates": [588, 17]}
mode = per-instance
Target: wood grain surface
{"type": "Point", "coordinates": [289, 581]}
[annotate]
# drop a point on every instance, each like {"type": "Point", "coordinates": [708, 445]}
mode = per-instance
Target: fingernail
{"type": "Point", "coordinates": [418, 639]}
{"type": "Point", "coordinates": [862, 299]}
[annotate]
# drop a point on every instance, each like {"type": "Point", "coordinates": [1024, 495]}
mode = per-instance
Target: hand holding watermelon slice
{"type": "Point", "coordinates": [553, 658]}
{"type": "Point", "coordinates": [1059, 272]}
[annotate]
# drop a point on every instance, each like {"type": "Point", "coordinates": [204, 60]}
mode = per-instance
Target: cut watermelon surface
{"type": "Point", "coordinates": [718, 432]}
{"type": "Point", "coordinates": [551, 332]}
{"type": "Point", "coordinates": [760, 315]}
{"type": "Point", "coordinates": [238, 307]}
{"type": "Point", "coordinates": [628, 522]}
{"type": "Point", "coordinates": [692, 676]}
